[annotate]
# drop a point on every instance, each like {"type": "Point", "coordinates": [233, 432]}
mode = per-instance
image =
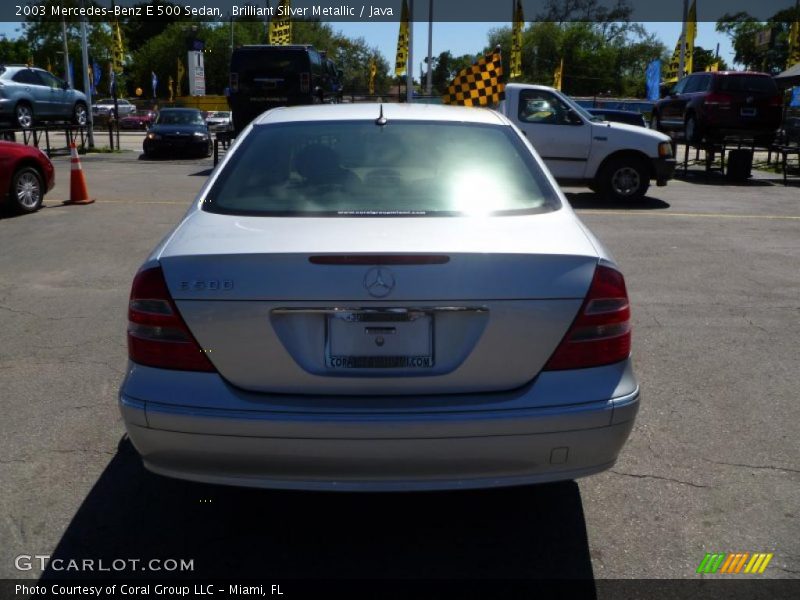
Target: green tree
{"type": "Point", "coordinates": [446, 66]}
{"type": "Point", "coordinates": [702, 58]}
{"type": "Point", "coordinates": [136, 31]}
{"type": "Point", "coordinates": [743, 30]}
{"type": "Point", "coordinates": [599, 57]}
{"type": "Point", "coordinates": [159, 54]}
{"type": "Point", "coordinates": [13, 51]}
{"type": "Point", "coordinates": [46, 45]}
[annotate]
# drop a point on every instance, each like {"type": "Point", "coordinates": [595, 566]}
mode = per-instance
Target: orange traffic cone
{"type": "Point", "coordinates": [78, 194]}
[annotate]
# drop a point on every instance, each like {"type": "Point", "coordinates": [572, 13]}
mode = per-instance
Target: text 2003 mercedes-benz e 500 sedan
{"type": "Point", "coordinates": [379, 298]}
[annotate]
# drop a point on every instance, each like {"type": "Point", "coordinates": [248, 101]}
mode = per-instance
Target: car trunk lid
{"type": "Point", "coordinates": [307, 305]}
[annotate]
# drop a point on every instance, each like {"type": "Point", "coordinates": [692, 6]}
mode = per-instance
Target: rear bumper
{"type": "Point", "coordinates": [357, 451]}
{"type": "Point", "coordinates": [663, 170]}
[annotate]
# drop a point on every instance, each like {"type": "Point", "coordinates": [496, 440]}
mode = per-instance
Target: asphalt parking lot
{"type": "Point", "coordinates": [713, 464]}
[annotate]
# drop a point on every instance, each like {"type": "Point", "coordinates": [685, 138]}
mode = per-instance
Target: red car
{"type": "Point", "coordinates": [719, 105]}
{"type": "Point", "coordinates": [26, 175]}
{"type": "Point", "coordinates": [141, 119]}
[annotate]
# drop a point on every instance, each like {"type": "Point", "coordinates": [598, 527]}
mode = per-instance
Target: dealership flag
{"type": "Point", "coordinates": [558, 76]}
{"type": "Point", "coordinates": [180, 74]}
{"type": "Point", "coordinates": [653, 78]}
{"type": "Point", "coordinates": [97, 74]}
{"type": "Point", "coordinates": [401, 59]}
{"type": "Point", "coordinates": [280, 27]}
{"type": "Point", "coordinates": [688, 62]}
{"type": "Point", "coordinates": [480, 84]}
{"type": "Point", "coordinates": [154, 82]}
{"type": "Point", "coordinates": [515, 69]}
{"type": "Point", "coordinates": [373, 70]}
{"type": "Point", "coordinates": [118, 53]}
{"type": "Point", "coordinates": [794, 45]}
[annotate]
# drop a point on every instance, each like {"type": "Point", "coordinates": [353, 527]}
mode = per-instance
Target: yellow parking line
{"type": "Point", "coordinates": [642, 213]}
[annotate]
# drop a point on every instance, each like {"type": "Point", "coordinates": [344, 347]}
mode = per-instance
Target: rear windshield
{"type": "Point", "coordinates": [404, 168]}
{"type": "Point", "coordinates": [249, 64]}
{"type": "Point", "coordinates": [747, 83]}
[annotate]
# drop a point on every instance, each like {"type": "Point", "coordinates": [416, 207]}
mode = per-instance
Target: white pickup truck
{"type": "Point", "coordinates": [613, 159]}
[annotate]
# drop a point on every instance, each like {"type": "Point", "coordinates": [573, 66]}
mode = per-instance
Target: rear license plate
{"type": "Point", "coordinates": [379, 339]}
{"type": "Point", "coordinates": [749, 112]}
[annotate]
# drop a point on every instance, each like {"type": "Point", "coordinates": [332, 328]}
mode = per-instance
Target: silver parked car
{"type": "Point", "coordinates": [219, 120]}
{"type": "Point", "coordinates": [369, 297]}
{"type": "Point", "coordinates": [105, 107]}
{"type": "Point", "coordinates": [28, 95]}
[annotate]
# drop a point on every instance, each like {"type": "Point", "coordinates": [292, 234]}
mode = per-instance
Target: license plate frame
{"type": "Point", "coordinates": [748, 112]}
{"type": "Point", "coordinates": [379, 339]}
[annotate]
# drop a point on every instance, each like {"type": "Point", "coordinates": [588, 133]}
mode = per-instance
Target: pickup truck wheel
{"type": "Point", "coordinates": [624, 179]}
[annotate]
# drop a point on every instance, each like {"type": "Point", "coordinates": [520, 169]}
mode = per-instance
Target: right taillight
{"type": "Point", "coordinates": [601, 333]}
{"type": "Point", "coordinates": [157, 335]}
{"type": "Point", "coordinates": [305, 82]}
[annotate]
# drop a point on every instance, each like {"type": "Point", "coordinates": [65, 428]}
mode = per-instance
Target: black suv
{"type": "Point", "coordinates": [717, 105]}
{"type": "Point", "coordinates": [266, 76]}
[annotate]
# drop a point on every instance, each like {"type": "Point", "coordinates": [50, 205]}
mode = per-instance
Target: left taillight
{"type": "Point", "coordinates": [157, 335]}
{"type": "Point", "coordinates": [601, 333]}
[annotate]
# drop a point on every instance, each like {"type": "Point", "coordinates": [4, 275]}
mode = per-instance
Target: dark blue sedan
{"type": "Point", "coordinates": [178, 131]}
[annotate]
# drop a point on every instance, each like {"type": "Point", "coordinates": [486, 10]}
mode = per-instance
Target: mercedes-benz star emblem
{"type": "Point", "coordinates": [379, 282]}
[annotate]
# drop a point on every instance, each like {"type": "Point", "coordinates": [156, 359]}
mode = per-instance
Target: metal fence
{"type": "Point", "coordinates": [48, 138]}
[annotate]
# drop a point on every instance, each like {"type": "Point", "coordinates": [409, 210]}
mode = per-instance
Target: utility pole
{"type": "Point", "coordinates": [67, 74]}
{"type": "Point", "coordinates": [429, 82]}
{"type": "Point", "coordinates": [87, 83]}
{"type": "Point", "coordinates": [410, 64]}
{"type": "Point", "coordinates": [682, 62]}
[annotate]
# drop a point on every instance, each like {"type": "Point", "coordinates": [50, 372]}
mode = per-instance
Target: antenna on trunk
{"type": "Point", "coordinates": [381, 120]}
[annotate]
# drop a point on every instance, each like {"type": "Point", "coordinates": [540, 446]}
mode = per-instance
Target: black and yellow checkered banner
{"type": "Point", "coordinates": [401, 60]}
{"type": "Point", "coordinates": [280, 27]}
{"type": "Point", "coordinates": [480, 84]}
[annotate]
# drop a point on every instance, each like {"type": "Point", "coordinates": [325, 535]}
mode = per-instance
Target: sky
{"type": "Point", "coordinates": [467, 38]}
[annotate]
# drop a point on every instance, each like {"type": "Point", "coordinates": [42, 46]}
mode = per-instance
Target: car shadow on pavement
{"type": "Point", "coordinates": [171, 158]}
{"type": "Point", "coordinates": [596, 201]}
{"type": "Point", "coordinates": [716, 178]}
{"type": "Point", "coordinates": [532, 532]}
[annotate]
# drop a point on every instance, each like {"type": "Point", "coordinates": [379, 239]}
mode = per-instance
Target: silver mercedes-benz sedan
{"type": "Point", "coordinates": [368, 297]}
